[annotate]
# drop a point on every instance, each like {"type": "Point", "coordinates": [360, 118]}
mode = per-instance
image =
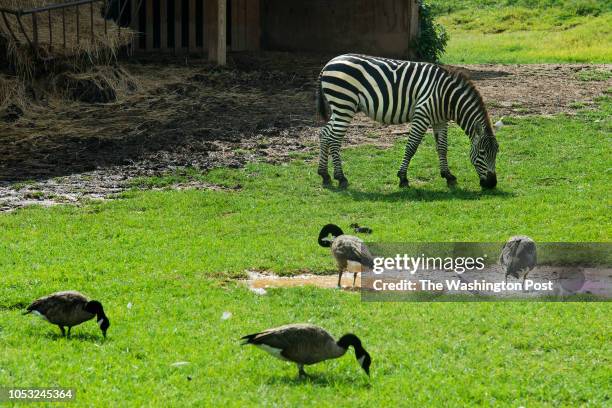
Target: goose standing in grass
{"type": "Point", "coordinates": [359, 229]}
{"type": "Point", "coordinates": [69, 308]}
{"type": "Point", "coordinates": [306, 344]}
{"type": "Point", "coordinates": [517, 256]}
{"type": "Point", "coordinates": [345, 249]}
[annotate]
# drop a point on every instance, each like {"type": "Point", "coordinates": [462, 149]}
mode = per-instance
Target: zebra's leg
{"type": "Point", "coordinates": [419, 127]}
{"type": "Point", "coordinates": [339, 125]}
{"type": "Point", "coordinates": [324, 153]}
{"type": "Point", "coordinates": [440, 134]}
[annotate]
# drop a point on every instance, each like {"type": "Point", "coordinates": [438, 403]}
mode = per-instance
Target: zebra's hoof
{"type": "Point", "coordinates": [451, 182]}
{"type": "Point", "coordinates": [343, 184]}
{"type": "Point", "coordinates": [326, 182]}
{"type": "Point", "coordinates": [404, 183]}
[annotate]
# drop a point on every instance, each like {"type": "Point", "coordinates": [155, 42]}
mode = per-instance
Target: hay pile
{"type": "Point", "coordinates": [78, 51]}
{"type": "Point", "coordinates": [83, 70]}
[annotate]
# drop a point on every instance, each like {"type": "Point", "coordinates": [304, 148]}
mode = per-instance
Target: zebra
{"type": "Point", "coordinates": [394, 91]}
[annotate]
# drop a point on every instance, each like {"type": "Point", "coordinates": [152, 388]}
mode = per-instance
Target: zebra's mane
{"type": "Point", "coordinates": [464, 76]}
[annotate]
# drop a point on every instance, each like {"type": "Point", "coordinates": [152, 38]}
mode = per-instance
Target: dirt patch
{"type": "Point", "coordinates": [193, 114]}
{"type": "Point", "coordinates": [537, 89]}
{"type": "Point", "coordinates": [594, 281]}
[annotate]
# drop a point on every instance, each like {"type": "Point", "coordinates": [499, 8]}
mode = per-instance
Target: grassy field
{"type": "Point", "coordinates": [526, 32]}
{"type": "Point", "coordinates": [172, 254]}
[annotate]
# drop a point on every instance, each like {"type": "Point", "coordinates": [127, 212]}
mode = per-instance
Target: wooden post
{"type": "Point", "coordinates": [51, 31]}
{"type": "Point", "coordinates": [35, 29]}
{"type": "Point", "coordinates": [178, 26]}
{"type": "Point", "coordinates": [253, 25]}
{"type": "Point", "coordinates": [414, 20]}
{"type": "Point", "coordinates": [192, 25]}
{"type": "Point", "coordinates": [217, 49]}
{"type": "Point", "coordinates": [204, 25]}
{"type": "Point", "coordinates": [64, 26]}
{"type": "Point", "coordinates": [163, 25]}
{"type": "Point", "coordinates": [91, 22]}
{"type": "Point", "coordinates": [234, 23]}
{"type": "Point", "coordinates": [134, 20]}
{"type": "Point", "coordinates": [149, 26]}
{"type": "Point", "coordinates": [78, 23]}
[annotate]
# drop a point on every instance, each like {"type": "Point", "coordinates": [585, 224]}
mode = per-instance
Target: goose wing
{"type": "Point", "coordinates": [518, 253]}
{"type": "Point", "coordinates": [353, 249]}
{"type": "Point", "coordinates": [66, 308]}
{"type": "Point", "coordinates": [302, 343]}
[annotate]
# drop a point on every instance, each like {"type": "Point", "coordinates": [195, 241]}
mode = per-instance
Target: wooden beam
{"type": "Point", "coordinates": [192, 25]}
{"type": "Point", "coordinates": [163, 25]}
{"type": "Point", "coordinates": [217, 50]}
{"type": "Point", "coordinates": [149, 26]}
{"type": "Point", "coordinates": [241, 28]}
{"type": "Point", "coordinates": [204, 26]}
{"type": "Point", "coordinates": [253, 25]}
{"type": "Point", "coordinates": [234, 24]}
{"type": "Point", "coordinates": [178, 29]}
{"type": "Point", "coordinates": [414, 20]}
{"type": "Point", "coordinates": [134, 13]}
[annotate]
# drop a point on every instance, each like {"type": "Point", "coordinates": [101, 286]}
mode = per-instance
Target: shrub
{"type": "Point", "coordinates": [432, 39]}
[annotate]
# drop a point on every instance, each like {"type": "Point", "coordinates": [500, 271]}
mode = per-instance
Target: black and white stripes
{"type": "Point", "coordinates": [392, 92]}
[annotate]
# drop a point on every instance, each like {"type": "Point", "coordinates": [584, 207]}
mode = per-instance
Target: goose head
{"type": "Point", "coordinates": [329, 229]}
{"type": "Point", "coordinates": [362, 356]}
{"type": "Point", "coordinates": [96, 308]}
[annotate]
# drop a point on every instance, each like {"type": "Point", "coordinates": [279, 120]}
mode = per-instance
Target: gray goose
{"type": "Point", "coordinates": [69, 308]}
{"type": "Point", "coordinates": [518, 255]}
{"type": "Point", "coordinates": [306, 344]}
{"type": "Point", "coordinates": [345, 248]}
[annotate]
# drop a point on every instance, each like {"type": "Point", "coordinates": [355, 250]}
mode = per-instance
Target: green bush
{"type": "Point", "coordinates": [432, 38]}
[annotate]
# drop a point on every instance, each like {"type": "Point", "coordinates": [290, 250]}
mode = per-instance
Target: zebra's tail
{"type": "Point", "coordinates": [321, 102]}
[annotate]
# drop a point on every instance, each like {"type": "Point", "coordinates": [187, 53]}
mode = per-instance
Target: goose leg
{"type": "Point", "coordinates": [354, 279]}
{"type": "Point", "coordinates": [524, 278]}
{"type": "Point", "coordinates": [302, 373]}
{"type": "Point", "coordinates": [62, 329]}
{"type": "Point", "coordinates": [69, 328]}
{"type": "Point", "coordinates": [342, 265]}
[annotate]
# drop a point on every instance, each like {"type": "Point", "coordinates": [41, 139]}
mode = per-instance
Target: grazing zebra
{"type": "Point", "coordinates": [392, 91]}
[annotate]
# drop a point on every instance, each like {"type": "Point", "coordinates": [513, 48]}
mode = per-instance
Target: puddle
{"type": "Point", "coordinates": [259, 280]}
{"type": "Point", "coordinates": [596, 281]}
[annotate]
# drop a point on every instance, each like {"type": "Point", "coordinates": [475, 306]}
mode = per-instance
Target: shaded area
{"type": "Point", "coordinates": [192, 114]}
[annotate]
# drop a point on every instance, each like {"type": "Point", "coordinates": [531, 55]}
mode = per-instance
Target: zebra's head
{"type": "Point", "coordinates": [483, 154]}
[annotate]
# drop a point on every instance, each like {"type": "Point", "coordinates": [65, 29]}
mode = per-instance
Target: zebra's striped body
{"type": "Point", "coordinates": [392, 92]}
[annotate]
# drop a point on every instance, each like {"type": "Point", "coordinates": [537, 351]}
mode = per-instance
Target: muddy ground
{"type": "Point", "coordinates": [176, 114]}
{"type": "Point", "coordinates": [561, 281]}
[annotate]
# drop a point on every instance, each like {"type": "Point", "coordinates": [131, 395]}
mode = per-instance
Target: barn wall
{"type": "Point", "coordinates": [378, 27]}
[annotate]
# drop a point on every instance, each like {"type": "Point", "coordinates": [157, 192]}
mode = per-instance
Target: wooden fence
{"type": "Point", "coordinates": [196, 26]}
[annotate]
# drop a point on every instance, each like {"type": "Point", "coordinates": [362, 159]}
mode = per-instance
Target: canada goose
{"type": "Point", "coordinates": [69, 308]}
{"type": "Point", "coordinates": [359, 229]}
{"type": "Point", "coordinates": [345, 249]}
{"type": "Point", "coordinates": [306, 344]}
{"type": "Point", "coordinates": [518, 255]}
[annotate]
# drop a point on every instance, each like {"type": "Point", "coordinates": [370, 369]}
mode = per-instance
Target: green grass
{"type": "Point", "coordinates": [430, 354]}
{"type": "Point", "coordinates": [589, 75]}
{"type": "Point", "coordinates": [518, 32]}
{"type": "Point", "coordinates": [170, 254]}
{"type": "Point", "coordinates": [579, 7]}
